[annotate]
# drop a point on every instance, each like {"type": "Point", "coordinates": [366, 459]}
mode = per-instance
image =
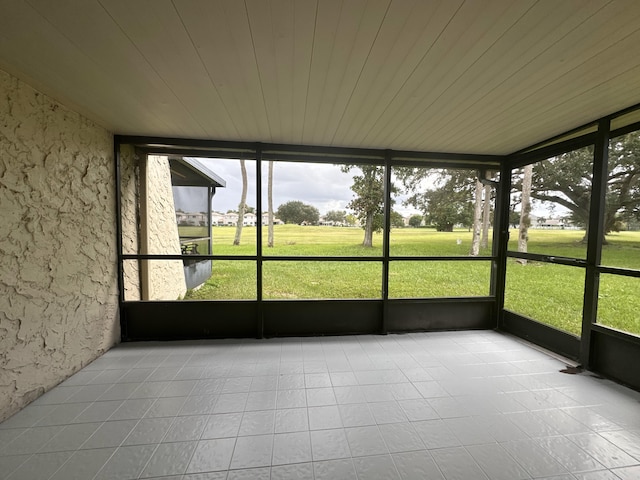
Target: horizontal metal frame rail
{"type": "Point", "coordinates": [613, 332]}
{"type": "Point", "coordinates": [526, 158]}
{"type": "Point", "coordinates": [287, 258]}
{"type": "Point", "coordinates": [557, 259]}
{"type": "Point", "coordinates": [614, 133]}
{"type": "Point", "coordinates": [626, 272]}
{"type": "Point", "coordinates": [482, 163]}
{"type": "Point", "coordinates": [632, 127]}
{"type": "Point", "coordinates": [464, 299]}
{"type": "Point", "coordinates": [274, 151]}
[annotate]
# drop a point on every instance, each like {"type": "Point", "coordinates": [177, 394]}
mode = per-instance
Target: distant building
{"type": "Point", "coordinates": [265, 220]}
{"type": "Point", "coordinates": [249, 220]}
{"type": "Point", "coordinates": [551, 223]}
{"type": "Point", "coordinates": [191, 218]}
{"type": "Point", "coordinates": [330, 223]}
{"type": "Point", "coordinates": [217, 219]}
{"type": "Point", "coordinates": [231, 219]}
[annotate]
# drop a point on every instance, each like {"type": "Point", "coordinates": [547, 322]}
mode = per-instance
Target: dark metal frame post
{"type": "Point", "coordinates": [211, 191]}
{"type": "Point", "coordinates": [386, 234]}
{"type": "Point", "coordinates": [260, 310]}
{"type": "Point", "coordinates": [501, 241]}
{"type": "Point", "coordinates": [595, 237]}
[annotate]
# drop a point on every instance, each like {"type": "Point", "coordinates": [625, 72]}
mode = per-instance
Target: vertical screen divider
{"type": "Point", "coordinates": [385, 241]}
{"type": "Point", "coordinates": [595, 238]}
{"type": "Point", "coordinates": [260, 309]}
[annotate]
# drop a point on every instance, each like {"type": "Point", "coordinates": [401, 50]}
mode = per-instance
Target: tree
{"type": "Point", "coordinates": [270, 205]}
{"type": "Point", "coordinates": [350, 219]}
{"type": "Point", "coordinates": [481, 215]}
{"type": "Point", "coordinates": [448, 202]}
{"type": "Point", "coordinates": [415, 220]}
{"type": "Point", "coordinates": [486, 215]}
{"type": "Point", "coordinates": [623, 192]}
{"type": "Point", "coordinates": [397, 220]}
{"type": "Point", "coordinates": [525, 210]}
{"type": "Point", "coordinates": [477, 219]}
{"type": "Point", "coordinates": [566, 180]}
{"type": "Point", "coordinates": [445, 211]}
{"type": "Point", "coordinates": [243, 204]}
{"type": "Point", "coordinates": [297, 212]}
{"type": "Point", "coordinates": [368, 201]}
{"type": "Point", "coordinates": [514, 217]}
{"type": "Point", "coordinates": [336, 216]}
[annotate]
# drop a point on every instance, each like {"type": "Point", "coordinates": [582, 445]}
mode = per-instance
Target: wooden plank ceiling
{"type": "Point", "coordinates": [475, 76]}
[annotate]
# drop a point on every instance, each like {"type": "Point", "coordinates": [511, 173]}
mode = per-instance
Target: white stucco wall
{"type": "Point", "coordinates": [164, 278]}
{"type": "Point", "coordinates": [149, 227]}
{"type": "Point", "coordinates": [129, 207]}
{"type": "Point", "coordinates": [58, 287]}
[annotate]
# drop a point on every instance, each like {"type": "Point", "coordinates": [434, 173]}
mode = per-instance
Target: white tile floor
{"type": "Point", "coordinates": [454, 406]}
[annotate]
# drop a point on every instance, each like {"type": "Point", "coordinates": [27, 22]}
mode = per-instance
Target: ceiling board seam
{"type": "Point", "coordinates": [532, 93]}
{"type": "Point", "coordinates": [71, 102]}
{"type": "Point", "coordinates": [90, 60]}
{"type": "Point", "coordinates": [412, 137]}
{"type": "Point", "coordinates": [152, 67]}
{"type": "Point", "coordinates": [496, 80]}
{"type": "Point", "coordinates": [255, 59]}
{"type": "Point", "coordinates": [204, 65]}
{"type": "Point", "coordinates": [417, 65]}
{"type": "Point", "coordinates": [327, 76]}
{"type": "Point", "coordinates": [362, 68]}
{"type": "Point", "coordinates": [313, 49]}
{"type": "Point", "coordinates": [356, 126]}
{"type": "Point", "coordinates": [343, 73]}
{"type": "Point", "coordinates": [506, 79]}
{"type": "Point", "coordinates": [581, 94]}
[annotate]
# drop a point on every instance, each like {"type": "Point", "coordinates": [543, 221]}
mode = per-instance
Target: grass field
{"type": "Point", "coordinates": [548, 293]}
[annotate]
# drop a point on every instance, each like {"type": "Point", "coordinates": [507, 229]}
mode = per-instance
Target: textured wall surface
{"type": "Point", "coordinates": [129, 207]}
{"type": "Point", "coordinates": [58, 288]}
{"type": "Point", "coordinates": [149, 226]}
{"type": "Point", "coordinates": [165, 278]}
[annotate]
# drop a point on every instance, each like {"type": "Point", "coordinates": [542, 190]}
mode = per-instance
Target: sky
{"type": "Point", "coordinates": [322, 185]}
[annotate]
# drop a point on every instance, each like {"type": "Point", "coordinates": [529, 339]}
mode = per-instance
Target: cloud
{"type": "Point", "coordinates": [324, 186]}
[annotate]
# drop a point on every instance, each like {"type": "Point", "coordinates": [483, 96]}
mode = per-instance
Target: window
{"type": "Point", "coordinates": [436, 212]}
{"type": "Point", "coordinates": [551, 200]}
{"type": "Point", "coordinates": [622, 208]}
{"type": "Point", "coordinates": [318, 213]}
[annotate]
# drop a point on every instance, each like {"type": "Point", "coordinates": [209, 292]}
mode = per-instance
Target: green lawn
{"type": "Point", "coordinates": [548, 293]}
{"type": "Point", "coordinates": [552, 294]}
{"type": "Point", "coordinates": [338, 241]}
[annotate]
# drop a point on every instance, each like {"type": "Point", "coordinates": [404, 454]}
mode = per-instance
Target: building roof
{"type": "Point", "coordinates": [191, 172]}
{"type": "Point", "coordinates": [443, 76]}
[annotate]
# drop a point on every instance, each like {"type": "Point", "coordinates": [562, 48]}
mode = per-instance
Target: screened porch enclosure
{"type": "Point", "coordinates": [574, 297]}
